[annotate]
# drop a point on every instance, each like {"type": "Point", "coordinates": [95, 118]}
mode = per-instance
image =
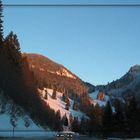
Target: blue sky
{"type": "Point", "coordinates": [99, 44]}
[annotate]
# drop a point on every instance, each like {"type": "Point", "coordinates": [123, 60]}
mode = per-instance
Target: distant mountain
{"type": "Point", "coordinates": [50, 74]}
{"type": "Point", "coordinates": [126, 87]}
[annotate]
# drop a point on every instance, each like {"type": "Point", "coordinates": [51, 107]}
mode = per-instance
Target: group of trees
{"type": "Point", "coordinates": [124, 121]}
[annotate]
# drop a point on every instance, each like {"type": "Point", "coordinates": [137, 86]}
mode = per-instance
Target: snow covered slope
{"type": "Point", "coordinates": [59, 104]}
{"type": "Point", "coordinates": [6, 129]}
{"type": "Point", "coordinates": [5, 123]}
{"type": "Point", "coordinates": [12, 115]}
{"type": "Point", "coordinates": [95, 101]}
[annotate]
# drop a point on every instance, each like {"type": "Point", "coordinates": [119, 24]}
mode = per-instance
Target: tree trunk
{"type": "Point", "coordinates": [13, 131]}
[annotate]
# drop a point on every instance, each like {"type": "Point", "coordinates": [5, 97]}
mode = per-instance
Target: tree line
{"type": "Point", "coordinates": [122, 120]}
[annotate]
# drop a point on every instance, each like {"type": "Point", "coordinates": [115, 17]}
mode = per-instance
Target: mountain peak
{"type": "Point", "coordinates": [135, 69]}
{"type": "Point", "coordinates": [53, 75]}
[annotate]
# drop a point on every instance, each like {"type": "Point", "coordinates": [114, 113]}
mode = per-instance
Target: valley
{"type": "Point", "coordinates": [42, 99]}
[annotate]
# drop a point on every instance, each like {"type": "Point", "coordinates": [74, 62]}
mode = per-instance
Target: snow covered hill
{"type": "Point", "coordinates": [59, 104]}
{"type": "Point", "coordinates": [14, 117]}
{"type": "Point", "coordinates": [21, 122]}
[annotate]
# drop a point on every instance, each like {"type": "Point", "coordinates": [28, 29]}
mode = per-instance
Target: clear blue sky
{"type": "Point", "coordinates": [99, 44]}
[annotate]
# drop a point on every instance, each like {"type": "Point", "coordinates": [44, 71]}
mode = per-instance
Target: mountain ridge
{"type": "Point", "coordinates": [125, 87]}
{"type": "Point", "coordinates": [54, 75]}
{"type": "Point", "coordinates": [52, 65]}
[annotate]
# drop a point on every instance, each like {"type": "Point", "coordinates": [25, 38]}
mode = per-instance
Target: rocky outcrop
{"type": "Point", "coordinates": [101, 95]}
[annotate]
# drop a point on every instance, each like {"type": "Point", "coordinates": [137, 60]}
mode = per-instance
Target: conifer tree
{"type": "Point", "coordinates": [75, 125]}
{"type": "Point", "coordinates": [65, 120]}
{"type": "Point", "coordinates": [12, 49]}
{"type": "Point", "coordinates": [1, 22]}
{"type": "Point", "coordinates": [118, 118]}
{"type": "Point", "coordinates": [13, 121]}
{"type": "Point", "coordinates": [107, 119]}
{"type": "Point", "coordinates": [58, 121]}
{"type": "Point", "coordinates": [67, 104]}
{"type": "Point", "coordinates": [63, 97]}
{"type": "Point", "coordinates": [131, 116]}
{"type": "Point", "coordinates": [83, 125]}
{"type": "Point", "coordinates": [71, 119]}
{"type": "Point", "coordinates": [54, 94]}
{"type": "Point", "coordinates": [75, 105]}
{"type": "Point", "coordinates": [27, 122]}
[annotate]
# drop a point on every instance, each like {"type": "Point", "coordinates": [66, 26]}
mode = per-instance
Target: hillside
{"type": "Point", "coordinates": [59, 105]}
{"type": "Point", "coordinates": [12, 115]}
{"type": "Point", "coordinates": [48, 73]}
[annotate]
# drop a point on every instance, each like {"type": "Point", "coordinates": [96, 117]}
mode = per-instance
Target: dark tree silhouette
{"type": "Point", "coordinates": [75, 125]}
{"type": "Point", "coordinates": [83, 125]}
{"type": "Point", "coordinates": [65, 120]}
{"type": "Point", "coordinates": [118, 119]}
{"type": "Point", "coordinates": [27, 122]}
{"type": "Point", "coordinates": [75, 105]}
{"type": "Point", "coordinates": [107, 119]}
{"type": "Point", "coordinates": [1, 22]}
{"type": "Point", "coordinates": [13, 122]}
{"type": "Point", "coordinates": [67, 104]}
{"type": "Point", "coordinates": [131, 116]}
{"type": "Point", "coordinates": [54, 94]}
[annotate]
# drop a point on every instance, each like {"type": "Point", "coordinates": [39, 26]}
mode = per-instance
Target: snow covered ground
{"type": "Point", "coordinates": [6, 125]}
{"type": "Point", "coordinates": [28, 134]}
{"type": "Point", "coordinates": [6, 129]}
{"type": "Point", "coordinates": [58, 104]}
{"type": "Point", "coordinates": [33, 130]}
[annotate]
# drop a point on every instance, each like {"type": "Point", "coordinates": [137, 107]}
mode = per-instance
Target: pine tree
{"type": "Point", "coordinates": [131, 116]}
{"type": "Point", "coordinates": [118, 118]}
{"type": "Point", "coordinates": [12, 49]}
{"type": "Point", "coordinates": [63, 97]}
{"type": "Point", "coordinates": [54, 94]}
{"type": "Point", "coordinates": [1, 22]}
{"type": "Point", "coordinates": [13, 121]}
{"type": "Point", "coordinates": [107, 119]}
{"type": "Point", "coordinates": [27, 122]}
{"type": "Point", "coordinates": [67, 104]}
{"type": "Point", "coordinates": [83, 125]}
{"type": "Point", "coordinates": [75, 125]}
{"type": "Point", "coordinates": [58, 121]}
{"type": "Point", "coordinates": [65, 120]}
{"type": "Point", "coordinates": [75, 105]}
{"type": "Point", "coordinates": [71, 119]}
{"type": "Point", "coordinates": [46, 95]}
